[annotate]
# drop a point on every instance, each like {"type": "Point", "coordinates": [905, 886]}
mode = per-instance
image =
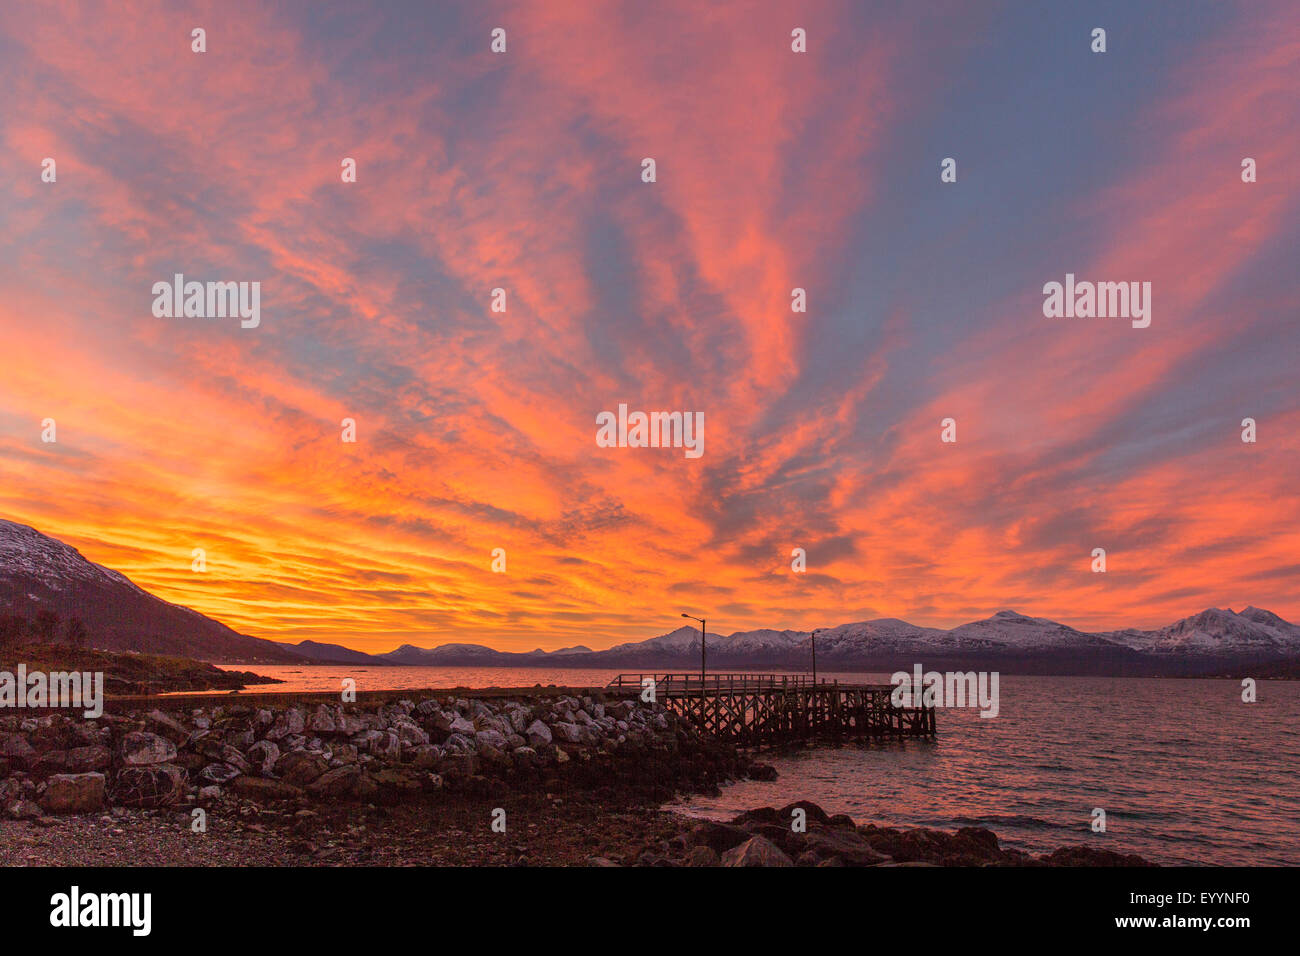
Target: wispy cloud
{"type": "Point", "coordinates": [775, 170]}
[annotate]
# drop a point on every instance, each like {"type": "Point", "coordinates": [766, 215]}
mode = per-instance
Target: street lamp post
{"type": "Point", "coordinates": [702, 654]}
{"type": "Point", "coordinates": [814, 652]}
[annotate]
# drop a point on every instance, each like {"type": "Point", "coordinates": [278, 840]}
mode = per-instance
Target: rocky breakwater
{"type": "Point", "coordinates": [382, 753]}
{"type": "Point", "coordinates": [768, 837]}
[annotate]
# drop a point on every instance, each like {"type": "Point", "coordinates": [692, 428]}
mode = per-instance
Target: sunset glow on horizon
{"type": "Point", "coordinates": [522, 171]}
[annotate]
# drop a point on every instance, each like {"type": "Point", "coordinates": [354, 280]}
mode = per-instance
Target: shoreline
{"type": "Point", "coordinates": [1286, 669]}
{"type": "Point", "coordinates": [128, 674]}
{"type": "Point", "coordinates": [543, 829]}
{"type": "Point", "coordinates": [544, 778]}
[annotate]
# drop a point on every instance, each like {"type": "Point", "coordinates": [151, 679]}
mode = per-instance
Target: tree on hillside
{"type": "Point", "coordinates": [45, 626]}
{"type": "Point", "coordinates": [75, 633]}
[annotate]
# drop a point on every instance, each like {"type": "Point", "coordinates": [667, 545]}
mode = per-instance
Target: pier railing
{"type": "Point", "coordinates": [682, 683]}
{"type": "Point", "coordinates": [752, 709]}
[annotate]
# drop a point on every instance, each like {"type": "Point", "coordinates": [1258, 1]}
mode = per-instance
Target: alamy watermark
{"type": "Point", "coordinates": [952, 689]}
{"type": "Point", "coordinates": [77, 909]}
{"type": "Point", "coordinates": [208, 300]}
{"type": "Point", "coordinates": [1086, 300]}
{"type": "Point", "coordinates": [651, 430]}
{"type": "Point", "coordinates": [39, 690]}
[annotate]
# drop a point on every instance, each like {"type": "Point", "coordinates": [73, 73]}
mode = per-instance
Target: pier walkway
{"type": "Point", "coordinates": [751, 709]}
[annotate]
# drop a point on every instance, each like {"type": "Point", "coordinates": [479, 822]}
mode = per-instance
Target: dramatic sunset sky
{"type": "Point", "coordinates": [476, 430]}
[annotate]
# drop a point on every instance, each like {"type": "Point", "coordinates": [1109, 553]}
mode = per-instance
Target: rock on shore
{"type": "Point", "coordinates": [376, 753]}
{"type": "Point", "coordinates": [766, 837]}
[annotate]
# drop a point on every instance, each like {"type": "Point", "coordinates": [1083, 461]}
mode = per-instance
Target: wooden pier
{"type": "Point", "coordinates": [757, 709]}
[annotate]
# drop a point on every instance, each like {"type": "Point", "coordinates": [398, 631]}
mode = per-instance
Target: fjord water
{"type": "Point", "coordinates": [1186, 772]}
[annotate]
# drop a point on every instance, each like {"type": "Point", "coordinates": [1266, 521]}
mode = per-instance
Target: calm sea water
{"type": "Point", "coordinates": [299, 677]}
{"type": "Point", "coordinates": [1185, 771]}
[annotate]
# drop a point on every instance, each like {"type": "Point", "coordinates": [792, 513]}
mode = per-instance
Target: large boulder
{"type": "Point", "coordinates": [459, 742]}
{"type": "Point", "coordinates": [265, 788]}
{"type": "Point", "coordinates": [425, 756]}
{"type": "Point", "coordinates": [235, 758]}
{"type": "Point", "coordinates": [149, 786]}
{"type": "Point", "coordinates": [377, 742]}
{"type": "Point", "coordinates": [518, 718]}
{"type": "Point", "coordinates": [73, 793]}
{"type": "Point", "coordinates": [397, 784]}
{"type": "Point", "coordinates": [51, 761]}
{"type": "Point", "coordinates": [411, 735]}
{"type": "Point", "coordinates": [569, 733]}
{"type": "Point", "coordinates": [23, 809]}
{"type": "Point", "coordinates": [718, 837]}
{"type": "Point", "coordinates": [349, 724]}
{"type": "Point", "coordinates": [756, 851]}
{"type": "Point", "coordinates": [1091, 856]}
{"type": "Point", "coordinates": [621, 710]}
{"type": "Point", "coordinates": [322, 722]}
{"type": "Point", "coordinates": [812, 813]}
{"type": "Point", "coordinates": [493, 722]}
{"type": "Point", "coordinates": [969, 846]}
{"type": "Point", "coordinates": [827, 842]}
{"type": "Point", "coordinates": [702, 856]}
{"type": "Point", "coordinates": [342, 753]}
{"type": "Point", "coordinates": [16, 749]}
{"type": "Point", "coordinates": [86, 759]}
{"type": "Point", "coordinates": [538, 734]}
{"type": "Point", "coordinates": [461, 726]}
{"type": "Point", "coordinates": [493, 755]}
{"type": "Point", "coordinates": [218, 774]}
{"type": "Point", "coordinates": [289, 723]}
{"type": "Point", "coordinates": [140, 748]}
{"type": "Point", "coordinates": [263, 756]}
{"type": "Point", "coordinates": [166, 725]}
{"type": "Point", "coordinates": [300, 767]}
{"type": "Point", "coordinates": [459, 764]}
{"type": "Point", "coordinates": [491, 738]}
{"type": "Point", "coordinates": [332, 784]}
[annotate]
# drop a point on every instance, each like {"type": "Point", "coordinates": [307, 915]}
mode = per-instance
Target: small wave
{"type": "Point", "coordinates": [993, 820]}
{"type": "Point", "coordinates": [1144, 815]}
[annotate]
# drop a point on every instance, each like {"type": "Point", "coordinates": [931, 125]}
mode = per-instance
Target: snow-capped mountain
{"type": "Point", "coordinates": [850, 642]}
{"type": "Point", "coordinates": [40, 573]}
{"type": "Point", "coordinates": [764, 640]}
{"type": "Point", "coordinates": [49, 563]}
{"type": "Point", "coordinates": [446, 654]}
{"type": "Point", "coordinates": [576, 649]}
{"type": "Point", "coordinates": [682, 640]}
{"type": "Point", "coordinates": [686, 641]}
{"type": "Point", "coordinates": [1252, 633]}
{"type": "Point", "coordinates": [1006, 632]}
{"type": "Point", "coordinates": [1010, 631]}
{"type": "Point", "coordinates": [1007, 640]}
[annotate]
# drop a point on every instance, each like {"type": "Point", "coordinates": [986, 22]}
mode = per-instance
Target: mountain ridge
{"type": "Point", "coordinates": [1204, 641]}
{"type": "Point", "coordinates": [38, 572]}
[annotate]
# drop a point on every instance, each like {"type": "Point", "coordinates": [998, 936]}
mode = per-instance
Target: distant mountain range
{"type": "Point", "coordinates": [38, 572]}
{"type": "Point", "coordinates": [1213, 641]}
